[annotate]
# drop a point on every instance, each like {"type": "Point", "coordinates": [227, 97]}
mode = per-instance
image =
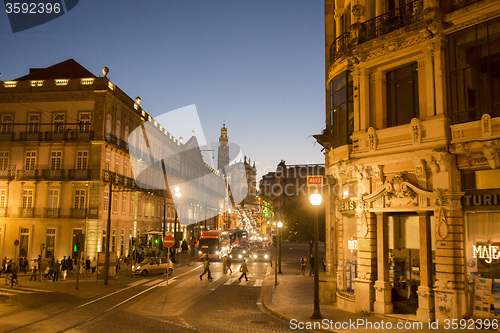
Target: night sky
{"type": "Point", "coordinates": [256, 65]}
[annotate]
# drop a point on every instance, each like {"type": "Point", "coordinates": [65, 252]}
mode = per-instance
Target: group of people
{"type": "Point", "coordinates": [10, 268]}
{"type": "Point", "coordinates": [304, 262]}
{"type": "Point", "coordinates": [227, 262]}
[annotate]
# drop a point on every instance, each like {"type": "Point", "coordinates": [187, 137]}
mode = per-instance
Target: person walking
{"type": "Point", "coordinates": [311, 265]}
{"type": "Point", "coordinates": [303, 264]}
{"type": "Point", "coordinates": [243, 270]}
{"type": "Point", "coordinates": [34, 269]}
{"type": "Point", "coordinates": [4, 266]}
{"type": "Point", "coordinates": [13, 271]}
{"type": "Point", "coordinates": [56, 267]}
{"type": "Point", "coordinates": [206, 267]}
{"type": "Point", "coordinates": [8, 271]}
{"type": "Point", "coordinates": [64, 268]}
{"type": "Point", "coordinates": [93, 265]}
{"type": "Point", "coordinates": [228, 264]}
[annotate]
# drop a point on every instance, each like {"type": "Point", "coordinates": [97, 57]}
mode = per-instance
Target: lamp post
{"type": "Point", "coordinates": [316, 199]}
{"type": "Point", "coordinates": [108, 231]}
{"type": "Point", "coordinates": [280, 224]}
{"type": "Point", "coordinates": [177, 193]}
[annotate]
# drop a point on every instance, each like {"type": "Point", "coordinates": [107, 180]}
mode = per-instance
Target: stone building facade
{"type": "Point", "coordinates": [412, 154]}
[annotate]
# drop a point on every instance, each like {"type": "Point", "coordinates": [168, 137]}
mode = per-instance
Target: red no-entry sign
{"type": "Point", "coordinates": [168, 241]}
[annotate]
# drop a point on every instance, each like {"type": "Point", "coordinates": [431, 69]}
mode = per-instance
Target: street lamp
{"type": "Point", "coordinates": [177, 193]}
{"type": "Point", "coordinates": [280, 224]}
{"type": "Point", "coordinates": [316, 199]}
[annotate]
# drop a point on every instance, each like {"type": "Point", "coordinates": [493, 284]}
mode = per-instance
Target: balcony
{"type": "Point", "coordinates": [8, 174]}
{"type": "Point", "coordinates": [457, 4]}
{"type": "Point", "coordinates": [81, 136]}
{"type": "Point", "coordinates": [129, 182]}
{"type": "Point", "coordinates": [7, 136]}
{"type": "Point", "coordinates": [392, 20]}
{"type": "Point", "coordinates": [30, 136]}
{"type": "Point", "coordinates": [27, 175]}
{"type": "Point", "coordinates": [3, 211]}
{"type": "Point", "coordinates": [122, 144]}
{"type": "Point", "coordinates": [49, 174]}
{"type": "Point", "coordinates": [112, 139]}
{"type": "Point", "coordinates": [78, 174]}
{"type": "Point", "coordinates": [55, 136]}
{"type": "Point", "coordinates": [78, 213]}
{"type": "Point", "coordinates": [51, 212]}
{"type": "Point", "coordinates": [339, 46]}
{"type": "Point", "coordinates": [26, 212]}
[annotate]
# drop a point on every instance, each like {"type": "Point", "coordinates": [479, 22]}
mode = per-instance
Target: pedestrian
{"type": "Point", "coordinates": [93, 266]}
{"type": "Point", "coordinates": [34, 269]}
{"type": "Point", "coordinates": [3, 269]}
{"type": "Point", "coordinates": [25, 265]}
{"type": "Point", "coordinates": [303, 264]}
{"type": "Point", "coordinates": [228, 264]}
{"type": "Point", "coordinates": [243, 270]}
{"type": "Point", "coordinates": [184, 246]}
{"type": "Point", "coordinates": [8, 271]}
{"type": "Point", "coordinates": [311, 265]}
{"type": "Point", "coordinates": [39, 262]}
{"type": "Point", "coordinates": [64, 268]}
{"type": "Point", "coordinates": [13, 272]}
{"type": "Point", "coordinates": [69, 264]}
{"type": "Point", "coordinates": [87, 266]}
{"type": "Point", "coordinates": [50, 273]}
{"type": "Point", "coordinates": [206, 267]}
{"type": "Point", "coordinates": [56, 268]}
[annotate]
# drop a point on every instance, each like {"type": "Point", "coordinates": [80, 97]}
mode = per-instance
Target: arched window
{"type": "Point", "coordinates": [118, 129]}
{"type": "Point", "coordinates": [108, 126]}
{"type": "Point", "coordinates": [125, 135]}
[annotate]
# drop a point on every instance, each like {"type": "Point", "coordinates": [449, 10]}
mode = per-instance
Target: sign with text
{"type": "Point", "coordinates": [314, 180]}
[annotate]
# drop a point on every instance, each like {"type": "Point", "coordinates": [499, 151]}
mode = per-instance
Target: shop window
{"type": "Point", "coordinates": [350, 252]}
{"type": "Point", "coordinates": [341, 109]}
{"type": "Point", "coordinates": [50, 242]}
{"type": "Point", "coordinates": [402, 95]}
{"type": "Point", "coordinates": [475, 72]}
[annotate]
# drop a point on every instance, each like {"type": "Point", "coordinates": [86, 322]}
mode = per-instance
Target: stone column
{"type": "Point", "coordinates": [383, 303]}
{"type": "Point", "coordinates": [379, 7]}
{"type": "Point", "coordinates": [367, 262]}
{"type": "Point", "coordinates": [425, 311]}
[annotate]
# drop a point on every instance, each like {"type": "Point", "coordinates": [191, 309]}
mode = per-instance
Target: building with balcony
{"type": "Point", "coordinates": [412, 143]}
{"type": "Point", "coordinates": [66, 140]}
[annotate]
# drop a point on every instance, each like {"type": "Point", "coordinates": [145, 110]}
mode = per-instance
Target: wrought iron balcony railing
{"type": "Point", "coordinates": [27, 136]}
{"type": "Point", "coordinates": [51, 212]}
{"type": "Point", "coordinates": [52, 174]}
{"type": "Point", "coordinates": [339, 46]}
{"type": "Point", "coordinates": [27, 174]}
{"type": "Point", "coordinates": [392, 20]}
{"type": "Point", "coordinates": [26, 212]}
{"type": "Point", "coordinates": [8, 174]}
{"type": "Point", "coordinates": [78, 213]}
{"type": "Point", "coordinates": [11, 136]}
{"type": "Point", "coordinates": [78, 174]}
{"type": "Point", "coordinates": [3, 211]}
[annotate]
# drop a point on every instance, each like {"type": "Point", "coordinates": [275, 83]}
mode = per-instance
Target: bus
{"type": "Point", "coordinates": [237, 237]}
{"type": "Point", "coordinates": [215, 243]}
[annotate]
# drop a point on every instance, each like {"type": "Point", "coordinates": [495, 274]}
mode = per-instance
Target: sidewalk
{"type": "Point", "coordinates": [293, 300]}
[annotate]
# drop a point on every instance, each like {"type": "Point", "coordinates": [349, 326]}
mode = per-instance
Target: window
{"type": "Point", "coordinates": [81, 160]}
{"type": "Point", "coordinates": [30, 160]}
{"type": "Point", "coordinates": [131, 211]}
{"type": "Point", "coordinates": [341, 109]}
{"type": "Point", "coordinates": [80, 199]}
{"type": "Point", "coordinates": [402, 95]}
{"type": "Point", "coordinates": [118, 129]}
{"type": "Point", "coordinates": [125, 134]}
{"type": "Point", "coordinates": [4, 160]}
{"type": "Point", "coordinates": [117, 164]}
{"type": "Point", "coordinates": [124, 203]}
{"type": "Point", "coordinates": [107, 161]}
{"type": "Point", "coordinates": [125, 168]}
{"type": "Point", "coordinates": [84, 122]}
{"type": "Point", "coordinates": [113, 241]}
{"type": "Point", "coordinates": [53, 199]}
{"type": "Point", "coordinates": [108, 126]}
{"type": "Point", "coordinates": [7, 120]}
{"type": "Point", "coordinates": [115, 204]}
{"type": "Point", "coordinates": [24, 235]}
{"type": "Point", "coordinates": [106, 201]}
{"type": "Point", "coordinates": [55, 160]}
{"type": "Point", "coordinates": [475, 72]}
{"type": "Point", "coordinates": [50, 242]}
{"type": "Point", "coordinates": [59, 123]}
{"type": "Point", "coordinates": [27, 200]}
{"type": "Point", "coordinates": [103, 244]}
{"type": "Point", "coordinates": [33, 123]}
{"type": "Point", "coordinates": [3, 198]}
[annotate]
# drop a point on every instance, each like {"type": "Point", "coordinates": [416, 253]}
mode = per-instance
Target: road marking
{"type": "Point", "coordinates": [149, 284]}
{"type": "Point", "coordinates": [20, 291]}
{"type": "Point", "coordinates": [136, 283]}
{"type": "Point", "coordinates": [258, 283]}
{"type": "Point", "coordinates": [243, 283]}
{"type": "Point", "coordinates": [6, 293]}
{"type": "Point", "coordinates": [230, 281]}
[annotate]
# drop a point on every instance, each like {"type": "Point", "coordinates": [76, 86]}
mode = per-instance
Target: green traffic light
{"type": "Point", "coordinates": [75, 249]}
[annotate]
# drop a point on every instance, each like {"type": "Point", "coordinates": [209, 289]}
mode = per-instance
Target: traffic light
{"type": "Point", "coordinates": [133, 241]}
{"type": "Point", "coordinates": [156, 241]}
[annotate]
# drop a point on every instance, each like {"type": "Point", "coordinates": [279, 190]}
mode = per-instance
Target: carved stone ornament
{"type": "Point", "coordinates": [363, 228]}
{"type": "Point", "coordinates": [416, 129]}
{"type": "Point", "coordinates": [486, 125]}
{"type": "Point", "coordinates": [372, 138]}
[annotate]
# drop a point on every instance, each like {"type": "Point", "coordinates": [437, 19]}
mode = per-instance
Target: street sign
{"type": "Point", "coordinates": [314, 180]}
{"type": "Point", "coordinates": [16, 242]}
{"type": "Point", "coordinates": [168, 241]}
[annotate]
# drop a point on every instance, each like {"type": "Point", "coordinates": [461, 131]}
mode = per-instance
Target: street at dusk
{"type": "Point", "coordinates": [250, 166]}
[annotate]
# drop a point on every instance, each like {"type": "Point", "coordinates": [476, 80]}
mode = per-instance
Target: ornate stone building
{"type": "Point", "coordinates": [412, 144]}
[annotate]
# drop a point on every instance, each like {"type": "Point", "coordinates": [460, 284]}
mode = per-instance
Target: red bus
{"type": "Point", "coordinates": [215, 243]}
{"type": "Point", "coordinates": [237, 237]}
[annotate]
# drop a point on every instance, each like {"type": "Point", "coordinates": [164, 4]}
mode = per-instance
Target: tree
{"type": "Point", "coordinates": [299, 222]}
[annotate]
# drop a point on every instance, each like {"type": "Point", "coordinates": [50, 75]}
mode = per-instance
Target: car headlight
{"type": "Point", "coordinates": [199, 252]}
{"type": "Point", "coordinates": [239, 256]}
{"type": "Point", "coordinates": [255, 256]}
{"type": "Point", "coordinates": [217, 252]}
{"type": "Point", "coordinates": [138, 267]}
{"type": "Point", "coordinates": [266, 256]}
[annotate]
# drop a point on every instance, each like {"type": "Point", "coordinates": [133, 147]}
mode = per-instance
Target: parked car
{"type": "Point", "coordinates": [153, 266]}
{"type": "Point", "coordinates": [238, 253]}
{"type": "Point", "coordinates": [261, 255]}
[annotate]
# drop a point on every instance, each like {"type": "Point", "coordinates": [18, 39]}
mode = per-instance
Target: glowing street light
{"type": "Point", "coordinates": [316, 199]}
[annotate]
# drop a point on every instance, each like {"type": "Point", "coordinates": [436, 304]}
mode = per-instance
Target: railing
{"type": "Point", "coordinates": [339, 46]}
{"type": "Point", "coordinates": [111, 139]}
{"type": "Point", "coordinates": [457, 4]}
{"type": "Point", "coordinates": [26, 212]}
{"type": "Point", "coordinates": [78, 174]}
{"type": "Point", "coordinates": [122, 144]}
{"type": "Point", "coordinates": [27, 174]}
{"type": "Point", "coordinates": [392, 20]}
{"type": "Point", "coordinates": [27, 136]}
{"type": "Point", "coordinates": [51, 212]}
{"type": "Point", "coordinates": [3, 211]}
{"type": "Point", "coordinates": [55, 136]}
{"type": "Point", "coordinates": [8, 174]}
{"type": "Point", "coordinates": [7, 136]}
{"type": "Point", "coordinates": [53, 174]}
{"type": "Point", "coordinates": [78, 213]}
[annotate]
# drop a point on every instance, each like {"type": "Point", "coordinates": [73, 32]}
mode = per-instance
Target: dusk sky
{"type": "Point", "coordinates": [256, 65]}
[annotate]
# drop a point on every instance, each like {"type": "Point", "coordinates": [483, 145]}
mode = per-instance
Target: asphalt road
{"type": "Point", "coordinates": [145, 304]}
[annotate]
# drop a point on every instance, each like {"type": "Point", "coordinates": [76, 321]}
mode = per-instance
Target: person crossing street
{"type": "Point", "coordinates": [206, 267]}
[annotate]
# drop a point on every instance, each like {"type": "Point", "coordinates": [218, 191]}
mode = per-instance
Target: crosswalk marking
{"type": "Point", "coordinates": [136, 283]}
{"type": "Point", "coordinates": [243, 283]}
{"type": "Point", "coordinates": [230, 281]}
{"type": "Point", "coordinates": [149, 284]}
{"type": "Point", "coordinates": [258, 283]}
